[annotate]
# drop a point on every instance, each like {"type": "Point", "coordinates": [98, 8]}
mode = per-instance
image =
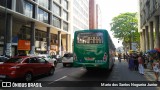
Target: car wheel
{"type": "Point", "coordinates": [55, 63]}
{"type": "Point", "coordinates": [51, 72]}
{"type": "Point", "coordinates": [64, 64]}
{"type": "Point", "coordinates": [28, 77]}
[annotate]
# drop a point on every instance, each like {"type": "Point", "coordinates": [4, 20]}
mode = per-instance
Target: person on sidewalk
{"type": "Point", "coordinates": [156, 69]}
{"type": "Point", "coordinates": [131, 62]}
{"type": "Point", "coordinates": [119, 57]}
{"type": "Point", "coordinates": [140, 66]}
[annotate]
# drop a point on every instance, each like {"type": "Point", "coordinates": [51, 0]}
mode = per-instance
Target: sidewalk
{"type": "Point", "coordinates": [149, 74]}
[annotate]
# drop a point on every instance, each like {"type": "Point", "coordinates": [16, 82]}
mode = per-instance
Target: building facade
{"type": "Point", "coordinates": [149, 22]}
{"type": "Point", "coordinates": [98, 17]}
{"type": "Point", "coordinates": [80, 15]}
{"type": "Point", "coordinates": [35, 26]}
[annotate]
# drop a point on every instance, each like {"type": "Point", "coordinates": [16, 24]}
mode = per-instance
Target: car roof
{"type": "Point", "coordinates": [22, 56]}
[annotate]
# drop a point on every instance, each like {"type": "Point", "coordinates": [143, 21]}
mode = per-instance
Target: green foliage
{"type": "Point", "coordinates": [125, 27]}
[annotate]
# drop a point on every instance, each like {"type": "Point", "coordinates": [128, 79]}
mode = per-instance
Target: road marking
{"type": "Point", "coordinates": [61, 78]}
{"type": "Point", "coordinates": [58, 79]}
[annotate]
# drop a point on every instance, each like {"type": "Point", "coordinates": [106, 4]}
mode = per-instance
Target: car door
{"type": "Point", "coordinates": [35, 65]}
{"type": "Point", "coordinates": [44, 66]}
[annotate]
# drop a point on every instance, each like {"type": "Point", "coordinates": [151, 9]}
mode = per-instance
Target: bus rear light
{"type": "Point", "coordinates": [74, 57]}
{"type": "Point", "coordinates": [105, 57]}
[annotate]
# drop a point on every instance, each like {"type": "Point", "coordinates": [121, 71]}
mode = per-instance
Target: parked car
{"type": "Point", "coordinates": [49, 59]}
{"type": "Point", "coordinates": [3, 59]}
{"type": "Point", "coordinates": [67, 59]}
{"type": "Point", "coordinates": [57, 57]}
{"type": "Point", "coordinates": [25, 67]}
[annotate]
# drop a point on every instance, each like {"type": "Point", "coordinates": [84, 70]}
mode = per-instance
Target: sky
{"type": "Point", "coordinates": [112, 8]}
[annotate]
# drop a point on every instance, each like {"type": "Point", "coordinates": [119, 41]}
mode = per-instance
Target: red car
{"type": "Point", "coordinates": [25, 67]}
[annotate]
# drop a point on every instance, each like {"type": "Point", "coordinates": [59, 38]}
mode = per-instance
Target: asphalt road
{"type": "Point", "coordinates": [120, 72]}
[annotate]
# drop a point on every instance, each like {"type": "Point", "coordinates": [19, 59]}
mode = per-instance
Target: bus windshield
{"type": "Point", "coordinates": [90, 38]}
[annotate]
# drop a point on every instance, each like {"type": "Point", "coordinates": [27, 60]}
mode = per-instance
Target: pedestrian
{"type": "Point", "coordinates": [124, 56]}
{"type": "Point", "coordinates": [135, 58]}
{"type": "Point", "coordinates": [140, 66]}
{"type": "Point", "coordinates": [131, 62]}
{"type": "Point", "coordinates": [156, 68]}
{"type": "Point", "coordinates": [119, 57]}
{"type": "Point", "coordinates": [127, 57]}
{"type": "Point", "coordinates": [151, 62]}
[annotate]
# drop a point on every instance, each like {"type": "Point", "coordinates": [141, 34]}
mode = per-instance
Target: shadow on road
{"type": "Point", "coordinates": [95, 75]}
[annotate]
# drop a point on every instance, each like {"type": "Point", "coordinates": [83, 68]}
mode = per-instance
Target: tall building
{"type": "Point", "coordinates": [79, 15]}
{"type": "Point", "coordinates": [92, 14]}
{"type": "Point", "coordinates": [98, 17]}
{"type": "Point", "coordinates": [149, 21]}
{"type": "Point", "coordinates": [34, 26]}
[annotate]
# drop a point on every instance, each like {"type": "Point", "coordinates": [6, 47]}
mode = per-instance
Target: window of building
{"type": "Point", "coordinates": [65, 15]}
{"type": "Point", "coordinates": [44, 3]}
{"type": "Point", "coordinates": [65, 4]}
{"type": "Point", "coordinates": [24, 33]}
{"type": "Point", "coordinates": [56, 9]}
{"type": "Point", "coordinates": [28, 9]}
{"type": "Point", "coordinates": [56, 22]}
{"type": "Point", "coordinates": [3, 3]}
{"type": "Point", "coordinates": [40, 35]}
{"type": "Point", "coordinates": [42, 16]}
{"type": "Point", "coordinates": [65, 26]}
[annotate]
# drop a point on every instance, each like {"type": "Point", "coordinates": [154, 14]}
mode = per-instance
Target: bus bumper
{"type": "Point", "coordinates": [91, 65]}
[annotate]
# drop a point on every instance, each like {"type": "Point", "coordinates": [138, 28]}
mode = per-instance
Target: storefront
{"type": "Point", "coordinates": [23, 47]}
{"type": "Point", "coordinates": [41, 47]}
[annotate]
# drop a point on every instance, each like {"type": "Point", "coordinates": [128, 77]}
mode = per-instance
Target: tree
{"type": "Point", "coordinates": [125, 27]}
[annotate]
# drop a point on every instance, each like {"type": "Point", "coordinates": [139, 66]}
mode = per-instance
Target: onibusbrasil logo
{"type": "Point", "coordinates": [14, 84]}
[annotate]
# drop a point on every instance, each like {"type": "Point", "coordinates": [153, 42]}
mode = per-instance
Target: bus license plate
{"type": "Point", "coordinates": [90, 58]}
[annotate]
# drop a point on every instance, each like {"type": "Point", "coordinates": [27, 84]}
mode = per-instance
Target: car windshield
{"type": "Point", "coordinates": [68, 55]}
{"type": "Point", "coordinates": [13, 60]}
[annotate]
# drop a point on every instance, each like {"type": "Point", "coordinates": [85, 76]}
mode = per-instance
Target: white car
{"type": "Point", "coordinates": [67, 59]}
{"type": "Point", "coordinates": [49, 59]}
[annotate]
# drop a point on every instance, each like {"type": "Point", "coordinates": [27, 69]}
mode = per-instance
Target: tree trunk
{"type": "Point", "coordinates": [130, 43]}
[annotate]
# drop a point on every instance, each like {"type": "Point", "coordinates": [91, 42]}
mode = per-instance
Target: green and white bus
{"type": "Point", "coordinates": [93, 49]}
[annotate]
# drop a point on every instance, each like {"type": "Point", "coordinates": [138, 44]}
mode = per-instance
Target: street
{"type": "Point", "coordinates": [120, 72]}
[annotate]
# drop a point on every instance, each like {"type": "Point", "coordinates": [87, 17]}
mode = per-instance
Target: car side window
{"type": "Point", "coordinates": [27, 60]}
{"type": "Point", "coordinates": [41, 60]}
{"type": "Point", "coordinates": [33, 60]}
{"type": "Point", "coordinates": [1, 60]}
